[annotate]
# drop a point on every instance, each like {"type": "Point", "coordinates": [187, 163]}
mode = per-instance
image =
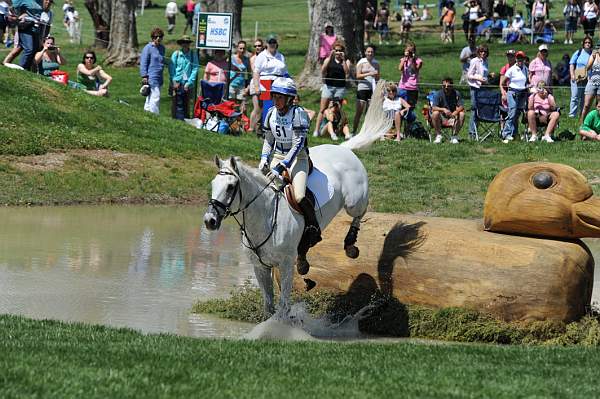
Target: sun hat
{"type": "Point", "coordinates": [184, 39]}
{"type": "Point", "coordinates": [543, 47]}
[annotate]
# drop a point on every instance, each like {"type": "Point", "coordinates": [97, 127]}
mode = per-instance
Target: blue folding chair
{"type": "Point", "coordinates": [487, 113]}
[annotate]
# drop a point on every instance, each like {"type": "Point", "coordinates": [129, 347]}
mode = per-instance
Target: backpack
{"type": "Point", "coordinates": [417, 131]}
{"type": "Point", "coordinates": [183, 9]}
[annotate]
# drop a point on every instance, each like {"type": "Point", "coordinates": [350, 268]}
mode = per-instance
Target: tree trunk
{"type": "Point", "coordinates": [487, 6]}
{"type": "Point", "coordinates": [346, 16]}
{"type": "Point", "coordinates": [235, 7]}
{"type": "Point", "coordinates": [100, 11]}
{"type": "Point", "coordinates": [123, 46]}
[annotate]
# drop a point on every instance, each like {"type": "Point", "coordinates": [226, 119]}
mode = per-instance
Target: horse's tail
{"type": "Point", "coordinates": [377, 122]}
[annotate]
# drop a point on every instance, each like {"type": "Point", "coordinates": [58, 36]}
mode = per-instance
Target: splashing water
{"type": "Point", "coordinates": [299, 325]}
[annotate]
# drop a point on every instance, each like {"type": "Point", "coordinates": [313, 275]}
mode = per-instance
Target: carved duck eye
{"type": "Point", "coordinates": [543, 180]}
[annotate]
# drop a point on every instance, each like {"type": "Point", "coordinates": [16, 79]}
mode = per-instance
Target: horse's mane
{"type": "Point", "coordinates": [254, 173]}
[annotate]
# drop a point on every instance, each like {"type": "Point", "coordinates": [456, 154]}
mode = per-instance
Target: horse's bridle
{"type": "Point", "coordinates": [218, 205]}
{"type": "Point", "coordinates": [226, 208]}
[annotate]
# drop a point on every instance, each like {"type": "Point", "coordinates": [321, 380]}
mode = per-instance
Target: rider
{"type": "Point", "coordinates": [286, 126]}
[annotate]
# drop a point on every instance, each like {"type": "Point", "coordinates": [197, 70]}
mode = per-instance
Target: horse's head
{"type": "Point", "coordinates": [224, 196]}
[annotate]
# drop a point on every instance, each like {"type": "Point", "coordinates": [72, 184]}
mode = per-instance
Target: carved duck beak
{"type": "Point", "coordinates": [586, 218]}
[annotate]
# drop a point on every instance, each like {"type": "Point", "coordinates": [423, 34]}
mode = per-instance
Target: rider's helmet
{"type": "Point", "coordinates": [284, 86]}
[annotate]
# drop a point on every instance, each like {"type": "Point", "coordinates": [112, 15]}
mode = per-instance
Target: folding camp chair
{"type": "Point", "coordinates": [487, 113]}
{"type": "Point", "coordinates": [217, 115]}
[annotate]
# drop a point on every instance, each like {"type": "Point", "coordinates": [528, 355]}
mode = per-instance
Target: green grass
{"type": "Point", "coordinates": [41, 117]}
{"type": "Point", "coordinates": [52, 359]}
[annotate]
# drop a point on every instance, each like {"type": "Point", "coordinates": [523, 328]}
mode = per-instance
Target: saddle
{"type": "Point", "coordinates": [289, 190]}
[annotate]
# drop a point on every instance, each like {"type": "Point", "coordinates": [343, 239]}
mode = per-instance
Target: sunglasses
{"type": "Point", "coordinates": [158, 37]}
{"type": "Point", "coordinates": [89, 58]}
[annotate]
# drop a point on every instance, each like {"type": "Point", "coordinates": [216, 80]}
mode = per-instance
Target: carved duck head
{"type": "Point", "coordinates": [542, 199]}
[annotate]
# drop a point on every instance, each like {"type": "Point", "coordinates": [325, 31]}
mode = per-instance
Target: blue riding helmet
{"type": "Point", "coordinates": [284, 86]}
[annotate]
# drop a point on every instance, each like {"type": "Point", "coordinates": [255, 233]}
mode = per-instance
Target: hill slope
{"type": "Point", "coordinates": [59, 145]}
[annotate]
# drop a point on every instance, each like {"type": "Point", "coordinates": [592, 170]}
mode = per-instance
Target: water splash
{"type": "Point", "coordinates": [299, 325]}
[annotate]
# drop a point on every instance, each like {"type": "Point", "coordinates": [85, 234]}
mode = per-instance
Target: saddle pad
{"type": "Point", "coordinates": [322, 189]}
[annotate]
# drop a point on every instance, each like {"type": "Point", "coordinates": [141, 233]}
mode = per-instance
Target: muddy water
{"type": "Point", "coordinates": [140, 267]}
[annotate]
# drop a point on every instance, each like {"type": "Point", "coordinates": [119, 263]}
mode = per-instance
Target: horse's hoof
{"type": "Point", "coordinates": [302, 266]}
{"type": "Point", "coordinates": [352, 252]}
{"type": "Point", "coordinates": [309, 284]}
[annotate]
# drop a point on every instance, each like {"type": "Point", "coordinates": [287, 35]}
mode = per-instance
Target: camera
{"type": "Point", "coordinates": [51, 48]}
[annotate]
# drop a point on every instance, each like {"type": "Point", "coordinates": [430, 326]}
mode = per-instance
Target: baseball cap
{"type": "Point", "coordinates": [543, 47]}
{"type": "Point", "coordinates": [272, 39]}
{"type": "Point", "coordinates": [520, 54]}
{"type": "Point", "coordinates": [511, 52]}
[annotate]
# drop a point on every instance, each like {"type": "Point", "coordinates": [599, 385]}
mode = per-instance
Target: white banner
{"type": "Point", "coordinates": [214, 30]}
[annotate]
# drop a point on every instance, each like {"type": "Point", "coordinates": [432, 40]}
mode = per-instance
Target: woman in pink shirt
{"type": "Point", "coordinates": [326, 41]}
{"type": "Point", "coordinates": [542, 110]}
{"type": "Point", "coordinates": [540, 69]}
{"type": "Point", "coordinates": [215, 69]}
{"type": "Point", "coordinates": [409, 68]}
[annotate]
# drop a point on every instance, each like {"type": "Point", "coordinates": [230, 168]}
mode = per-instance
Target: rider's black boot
{"type": "Point", "coordinates": [311, 228]}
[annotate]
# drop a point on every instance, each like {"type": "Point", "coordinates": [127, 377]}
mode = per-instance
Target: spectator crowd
{"type": "Point", "coordinates": [520, 95]}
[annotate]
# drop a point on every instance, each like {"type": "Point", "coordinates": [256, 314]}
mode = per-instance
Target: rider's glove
{"type": "Point", "coordinates": [278, 170]}
{"type": "Point", "coordinates": [262, 166]}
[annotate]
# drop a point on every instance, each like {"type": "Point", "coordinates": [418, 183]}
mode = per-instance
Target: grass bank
{"type": "Point", "coordinates": [59, 146]}
{"type": "Point", "coordinates": [52, 359]}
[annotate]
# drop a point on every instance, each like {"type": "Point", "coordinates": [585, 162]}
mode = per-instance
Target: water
{"type": "Point", "coordinates": [140, 267]}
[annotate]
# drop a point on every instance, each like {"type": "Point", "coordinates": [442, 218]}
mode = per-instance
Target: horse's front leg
{"type": "Point", "coordinates": [264, 277]}
{"type": "Point", "coordinates": [286, 271]}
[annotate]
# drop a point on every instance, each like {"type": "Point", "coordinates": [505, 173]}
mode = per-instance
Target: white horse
{"type": "Point", "coordinates": [271, 229]}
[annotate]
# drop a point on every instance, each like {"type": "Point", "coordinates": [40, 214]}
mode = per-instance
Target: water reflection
{"type": "Point", "coordinates": [140, 267]}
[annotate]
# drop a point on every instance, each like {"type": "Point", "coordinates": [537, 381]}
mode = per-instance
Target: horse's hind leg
{"type": "Point", "coordinates": [351, 237]}
{"type": "Point", "coordinates": [265, 282]}
{"type": "Point", "coordinates": [357, 212]}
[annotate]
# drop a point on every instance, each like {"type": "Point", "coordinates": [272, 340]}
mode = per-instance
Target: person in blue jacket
{"type": "Point", "coordinates": [183, 70]}
{"type": "Point", "coordinates": [152, 63]}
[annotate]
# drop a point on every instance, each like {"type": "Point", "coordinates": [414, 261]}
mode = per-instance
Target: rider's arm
{"type": "Point", "coordinates": [267, 146]}
{"type": "Point", "coordinates": [300, 125]}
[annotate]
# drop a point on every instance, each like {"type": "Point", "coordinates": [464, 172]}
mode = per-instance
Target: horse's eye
{"type": "Point", "coordinates": [543, 180]}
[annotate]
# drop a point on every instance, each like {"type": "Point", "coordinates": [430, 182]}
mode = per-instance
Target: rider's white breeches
{"type": "Point", "coordinates": [298, 171]}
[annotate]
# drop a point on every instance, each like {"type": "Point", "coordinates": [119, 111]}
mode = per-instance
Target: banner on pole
{"type": "Point", "coordinates": [214, 31]}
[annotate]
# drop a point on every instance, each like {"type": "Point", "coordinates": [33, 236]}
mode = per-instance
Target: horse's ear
{"type": "Point", "coordinates": [218, 162]}
{"type": "Point", "coordinates": [233, 161]}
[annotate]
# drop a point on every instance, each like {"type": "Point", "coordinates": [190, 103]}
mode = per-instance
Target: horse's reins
{"type": "Point", "coordinates": [227, 211]}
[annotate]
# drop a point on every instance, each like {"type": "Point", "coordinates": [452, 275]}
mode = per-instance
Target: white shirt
{"type": "Point", "coordinates": [171, 9]}
{"type": "Point", "coordinates": [517, 76]}
{"type": "Point", "coordinates": [588, 10]}
{"type": "Point", "coordinates": [270, 66]}
{"type": "Point", "coordinates": [517, 24]}
{"type": "Point", "coordinates": [392, 105]}
{"type": "Point", "coordinates": [4, 7]}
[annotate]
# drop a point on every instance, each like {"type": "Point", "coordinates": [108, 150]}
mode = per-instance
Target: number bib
{"type": "Point", "coordinates": [281, 127]}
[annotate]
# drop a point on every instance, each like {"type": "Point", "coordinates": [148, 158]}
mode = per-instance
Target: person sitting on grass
{"type": "Point", "coordinates": [49, 59]}
{"type": "Point", "coordinates": [542, 110]}
{"type": "Point", "coordinates": [92, 78]}
{"type": "Point", "coordinates": [447, 110]}
{"type": "Point", "coordinates": [591, 125]}
{"type": "Point", "coordinates": [397, 106]}
{"type": "Point", "coordinates": [336, 121]}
